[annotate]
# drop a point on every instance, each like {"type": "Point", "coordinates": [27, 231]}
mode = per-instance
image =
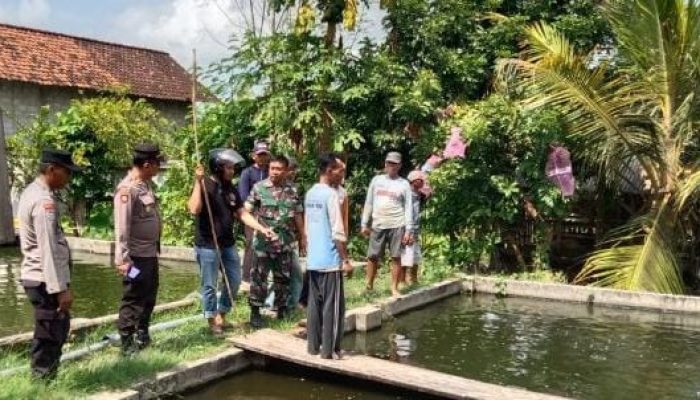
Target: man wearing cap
{"type": "Point", "coordinates": [411, 256]}
{"type": "Point", "coordinates": [137, 226]}
{"type": "Point", "coordinates": [387, 219]}
{"type": "Point", "coordinates": [249, 177]}
{"type": "Point", "coordinates": [45, 272]}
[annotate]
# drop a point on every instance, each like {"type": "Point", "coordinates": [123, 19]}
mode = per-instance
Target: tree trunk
{"type": "Point", "coordinates": [326, 140]}
{"type": "Point", "coordinates": [79, 215]}
{"type": "Point", "coordinates": [7, 230]}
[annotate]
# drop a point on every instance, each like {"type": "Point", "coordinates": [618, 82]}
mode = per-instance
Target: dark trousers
{"type": "Point", "coordinates": [51, 329]}
{"type": "Point", "coordinates": [248, 255]}
{"type": "Point", "coordinates": [139, 297]}
{"type": "Point", "coordinates": [325, 314]}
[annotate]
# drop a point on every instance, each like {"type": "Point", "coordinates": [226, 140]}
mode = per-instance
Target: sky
{"type": "Point", "coordinates": [174, 26]}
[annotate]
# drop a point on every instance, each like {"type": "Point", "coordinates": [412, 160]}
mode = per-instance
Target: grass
{"type": "Point", "coordinates": [107, 370]}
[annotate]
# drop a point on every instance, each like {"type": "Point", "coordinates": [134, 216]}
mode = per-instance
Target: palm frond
{"type": "Point", "coordinates": [662, 40]}
{"type": "Point", "coordinates": [641, 256]}
{"type": "Point", "coordinates": [688, 190]}
{"type": "Point", "coordinates": [596, 107]}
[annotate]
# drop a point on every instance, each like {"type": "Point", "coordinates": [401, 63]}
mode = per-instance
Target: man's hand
{"type": "Point", "coordinates": [407, 239]}
{"type": "Point", "coordinates": [269, 234]}
{"type": "Point", "coordinates": [65, 300]}
{"type": "Point", "coordinates": [347, 267]}
{"type": "Point", "coordinates": [123, 269]}
{"type": "Point", "coordinates": [199, 172]}
{"type": "Point", "coordinates": [365, 231]}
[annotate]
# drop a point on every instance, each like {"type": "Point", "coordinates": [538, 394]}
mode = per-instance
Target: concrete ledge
{"type": "Point", "coordinates": [123, 395]}
{"type": "Point", "coordinates": [185, 376]}
{"type": "Point", "coordinates": [584, 294]}
{"type": "Point", "coordinates": [177, 253]}
{"type": "Point", "coordinates": [79, 324]}
{"type": "Point", "coordinates": [422, 297]}
{"type": "Point", "coordinates": [368, 318]}
{"type": "Point", "coordinates": [350, 324]}
{"type": "Point", "coordinates": [94, 246]}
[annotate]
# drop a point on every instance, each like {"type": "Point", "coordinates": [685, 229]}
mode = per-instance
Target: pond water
{"type": "Point", "coordinates": [552, 347]}
{"type": "Point", "coordinates": [95, 284]}
{"type": "Point", "coordinates": [285, 384]}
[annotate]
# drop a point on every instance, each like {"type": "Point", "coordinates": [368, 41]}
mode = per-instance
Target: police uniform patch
{"type": "Point", "coordinates": [124, 192]}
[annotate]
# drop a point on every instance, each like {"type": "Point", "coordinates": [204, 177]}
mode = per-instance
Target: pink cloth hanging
{"type": "Point", "coordinates": [432, 163]}
{"type": "Point", "coordinates": [456, 147]}
{"type": "Point", "coordinates": [559, 170]}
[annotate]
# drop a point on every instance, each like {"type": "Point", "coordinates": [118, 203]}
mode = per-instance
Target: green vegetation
{"type": "Point", "coordinates": [634, 119]}
{"type": "Point", "coordinates": [100, 132]}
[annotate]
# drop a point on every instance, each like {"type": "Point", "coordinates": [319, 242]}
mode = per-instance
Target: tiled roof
{"type": "Point", "coordinates": [47, 58]}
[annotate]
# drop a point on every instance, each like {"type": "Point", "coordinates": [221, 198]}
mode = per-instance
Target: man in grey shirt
{"type": "Point", "coordinates": [45, 272]}
{"type": "Point", "coordinates": [388, 219]}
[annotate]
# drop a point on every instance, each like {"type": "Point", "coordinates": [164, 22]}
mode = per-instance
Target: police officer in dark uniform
{"type": "Point", "coordinates": [45, 272]}
{"type": "Point", "coordinates": [137, 225]}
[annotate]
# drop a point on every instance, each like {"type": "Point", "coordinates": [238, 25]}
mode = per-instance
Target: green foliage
{"type": "Point", "coordinates": [634, 121]}
{"type": "Point", "coordinates": [460, 41]}
{"type": "Point", "coordinates": [478, 196]}
{"type": "Point", "coordinates": [100, 132]}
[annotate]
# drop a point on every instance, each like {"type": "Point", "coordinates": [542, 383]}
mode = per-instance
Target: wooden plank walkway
{"type": "Point", "coordinates": [285, 347]}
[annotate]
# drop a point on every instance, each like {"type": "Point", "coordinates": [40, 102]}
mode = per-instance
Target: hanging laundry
{"type": "Point", "coordinates": [456, 147]}
{"type": "Point", "coordinates": [559, 170]}
{"type": "Point", "coordinates": [432, 163]}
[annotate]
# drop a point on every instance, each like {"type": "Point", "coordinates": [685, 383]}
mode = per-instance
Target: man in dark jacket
{"type": "Point", "coordinates": [249, 177]}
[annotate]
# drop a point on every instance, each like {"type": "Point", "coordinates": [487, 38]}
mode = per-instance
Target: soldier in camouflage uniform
{"type": "Point", "coordinates": [276, 204]}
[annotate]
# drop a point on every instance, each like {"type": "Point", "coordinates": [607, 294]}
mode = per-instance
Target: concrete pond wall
{"type": "Point", "coordinates": [197, 373]}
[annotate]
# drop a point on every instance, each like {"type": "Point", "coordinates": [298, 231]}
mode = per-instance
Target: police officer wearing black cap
{"type": "Point", "coordinates": [45, 272]}
{"type": "Point", "coordinates": [137, 226]}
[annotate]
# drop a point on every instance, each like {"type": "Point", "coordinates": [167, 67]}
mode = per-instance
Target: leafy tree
{"type": "Point", "coordinates": [100, 133]}
{"type": "Point", "coordinates": [639, 116]}
{"type": "Point", "coordinates": [480, 196]}
{"type": "Point", "coordinates": [460, 41]}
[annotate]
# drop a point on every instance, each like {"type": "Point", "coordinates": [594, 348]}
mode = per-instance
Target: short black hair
{"type": "Point", "coordinates": [280, 159]}
{"type": "Point", "coordinates": [326, 161]}
{"type": "Point", "coordinates": [141, 159]}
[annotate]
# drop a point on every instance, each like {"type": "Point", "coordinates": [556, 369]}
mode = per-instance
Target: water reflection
{"type": "Point", "coordinates": [96, 286]}
{"type": "Point", "coordinates": [567, 349]}
{"type": "Point", "coordinates": [266, 385]}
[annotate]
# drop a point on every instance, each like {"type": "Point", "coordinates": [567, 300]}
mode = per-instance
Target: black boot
{"type": "Point", "coordinates": [129, 346]}
{"type": "Point", "coordinates": [281, 312]}
{"type": "Point", "coordinates": [143, 339]}
{"type": "Point", "coordinates": [256, 320]}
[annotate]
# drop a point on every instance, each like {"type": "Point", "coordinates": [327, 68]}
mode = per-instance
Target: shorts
{"type": "Point", "coordinates": [378, 240]}
{"type": "Point", "coordinates": [411, 255]}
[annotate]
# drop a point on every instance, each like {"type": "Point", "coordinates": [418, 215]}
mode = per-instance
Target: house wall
{"type": "Point", "coordinates": [20, 103]}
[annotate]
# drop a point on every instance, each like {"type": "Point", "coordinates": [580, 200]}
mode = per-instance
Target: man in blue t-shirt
{"type": "Point", "coordinates": [327, 259]}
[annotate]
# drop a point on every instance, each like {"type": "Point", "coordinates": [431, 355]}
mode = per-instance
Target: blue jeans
{"type": "Point", "coordinates": [209, 271]}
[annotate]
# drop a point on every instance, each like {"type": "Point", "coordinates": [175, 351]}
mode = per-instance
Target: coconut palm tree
{"type": "Point", "coordinates": [640, 110]}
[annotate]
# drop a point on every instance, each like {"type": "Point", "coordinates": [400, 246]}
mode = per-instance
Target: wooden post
{"type": "Point", "coordinates": [7, 230]}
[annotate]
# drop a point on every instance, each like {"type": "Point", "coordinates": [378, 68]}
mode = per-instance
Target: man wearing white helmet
{"type": "Point", "coordinates": [218, 242]}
